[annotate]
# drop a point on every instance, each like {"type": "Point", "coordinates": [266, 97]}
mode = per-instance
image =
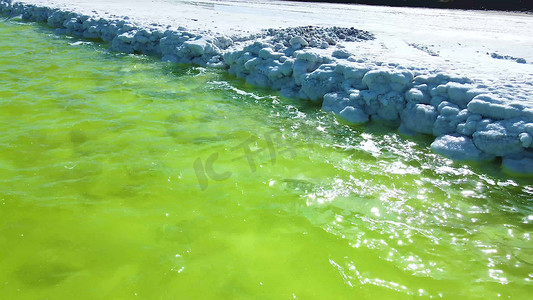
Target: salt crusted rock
{"type": "Point", "coordinates": [419, 118]}
{"type": "Point", "coordinates": [500, 138]}
{"type": "Point", "coordinates": [459, 147]}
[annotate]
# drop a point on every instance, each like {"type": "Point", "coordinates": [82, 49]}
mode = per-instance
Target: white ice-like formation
{"type": "Point", "coordinates": [469, 123]}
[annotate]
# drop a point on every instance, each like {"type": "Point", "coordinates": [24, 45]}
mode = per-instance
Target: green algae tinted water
{"type": "Point", "coordinates": [124, 177]}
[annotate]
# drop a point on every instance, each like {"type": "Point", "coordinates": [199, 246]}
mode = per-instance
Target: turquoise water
{"type": "Point", "coordinates": [122, 177]}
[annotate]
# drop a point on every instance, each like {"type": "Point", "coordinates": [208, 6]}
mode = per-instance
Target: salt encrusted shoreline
{"type": "Point", "coordinates": [469, 123]}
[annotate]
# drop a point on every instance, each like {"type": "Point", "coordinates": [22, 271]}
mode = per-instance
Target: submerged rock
{"type": "Point", "coordinates": [519, 164]}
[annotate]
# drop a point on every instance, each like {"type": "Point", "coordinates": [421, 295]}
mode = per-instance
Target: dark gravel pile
{"type": "Point", "coordinates": [315, 36]}
{"type": "Point", "coordinates": [517, 59]}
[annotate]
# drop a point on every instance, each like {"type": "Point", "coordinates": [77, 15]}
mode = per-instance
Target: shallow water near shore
{"type": "Point", "coordinates": [123, 176]}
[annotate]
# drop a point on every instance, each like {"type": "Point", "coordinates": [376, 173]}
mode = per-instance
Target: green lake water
{"type": "Point", "coordinates": [123, 177]}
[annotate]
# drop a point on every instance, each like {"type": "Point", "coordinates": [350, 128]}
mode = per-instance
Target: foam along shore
{"type": "Point", "coordinates": [310, 63]}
